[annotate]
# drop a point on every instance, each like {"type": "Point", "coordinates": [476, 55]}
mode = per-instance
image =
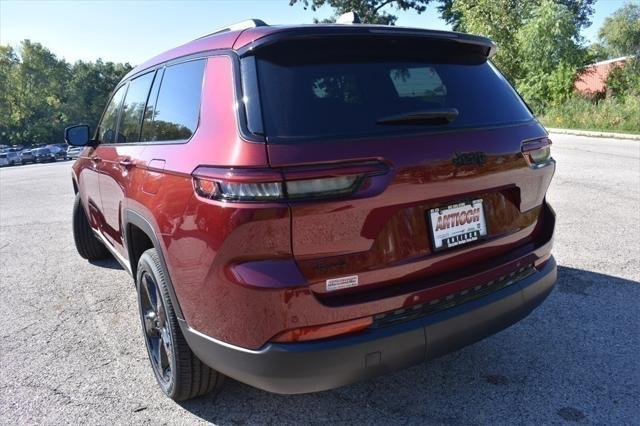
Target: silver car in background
{"type": "Point", "coordinates": [13, 157]}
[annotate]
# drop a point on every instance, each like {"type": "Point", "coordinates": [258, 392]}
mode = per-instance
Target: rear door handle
{"type": "Point", "coordinates": [96, 160]}
{"type": "Point", "coordinates": [126, 163]}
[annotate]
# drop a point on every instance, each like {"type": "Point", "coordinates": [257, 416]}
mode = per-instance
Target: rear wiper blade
{"type": "Point", "coordinates": [434, 117]}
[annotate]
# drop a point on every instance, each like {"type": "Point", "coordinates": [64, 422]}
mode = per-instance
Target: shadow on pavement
{"type": "Point", "coordinates": [109, 263]}
{"type": "Point", "coordinates": [571, 360]}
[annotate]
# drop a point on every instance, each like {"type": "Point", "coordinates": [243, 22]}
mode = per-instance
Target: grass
{"type": "Point", "coordinates": [610, 114]}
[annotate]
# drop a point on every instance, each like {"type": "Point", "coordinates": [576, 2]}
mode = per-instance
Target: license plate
{"type": "Point", "coordinates": [457, 224]}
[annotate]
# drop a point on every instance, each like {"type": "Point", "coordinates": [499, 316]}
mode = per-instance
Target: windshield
{"type": "Point", "coordinates": [348, 98]}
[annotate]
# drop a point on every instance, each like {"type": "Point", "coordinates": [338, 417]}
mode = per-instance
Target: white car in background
{"type": "Point", "coordinates": [74, 151]}
{"type": "Point", "coordinates": [4, 161]}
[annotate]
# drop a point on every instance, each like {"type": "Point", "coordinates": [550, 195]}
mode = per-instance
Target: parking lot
{"type": "Point", "coordinates": [71, 348]}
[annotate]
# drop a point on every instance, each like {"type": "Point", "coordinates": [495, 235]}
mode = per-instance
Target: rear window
{"type": "Point", "coordinates": [304, 98]}
{"type": "Point", "coordinates": [175, 113]}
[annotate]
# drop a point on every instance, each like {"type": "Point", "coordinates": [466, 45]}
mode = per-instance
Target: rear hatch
{"type": "Point", "coordinates": [433, 130]}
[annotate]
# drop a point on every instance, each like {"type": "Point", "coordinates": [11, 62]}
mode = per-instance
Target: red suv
{"type": "Point", "coordinates": [302, 207]}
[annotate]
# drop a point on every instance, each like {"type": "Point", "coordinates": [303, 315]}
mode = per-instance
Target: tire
{"type": "Point", "coordinates": [179, 373]}
{"type": "Point", "coordinates": [88, 246]}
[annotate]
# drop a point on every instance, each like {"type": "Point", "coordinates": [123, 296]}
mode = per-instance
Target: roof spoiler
{"type": "Point", "coordinates": [485, 46]}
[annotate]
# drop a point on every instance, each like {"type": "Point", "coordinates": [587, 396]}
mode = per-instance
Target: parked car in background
{"type": "Point", "coordinates": [4, 161]}
{"type": "Point", "coordinates": [43, 155]}
{"type": "Point", "coordinates": [26, 156]}
{"type": "Point", "coordinates": [74, 151]}
{"type": "Point", "coordinates": [59, 151]}
{"type": "Point", "coordinates": [302, 207]}
{"type": "Point", "coordinates": [13, 157]}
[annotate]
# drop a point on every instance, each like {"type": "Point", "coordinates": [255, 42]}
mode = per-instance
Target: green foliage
{"type": "Point", "coordinates": [550, 53]}
{"type": "Point", "coordinates": [370, 11]}
{"type": "Point", "coordinates": [538, 42]}
{"type": "Point", "coordinates": [624, 80]}
{"type": "Point", "coordinates": [611, 114]}
{"type": "Point", "coordinates": [499, 20]}
{"type": "Point", "coordinates": [451, 10]}
{"type": "Point", "coordinates": [41, 94]}
{"type": "Point", "coordinates": [597, 52]}
{"type": "Point", "coordinates": [620, 32]}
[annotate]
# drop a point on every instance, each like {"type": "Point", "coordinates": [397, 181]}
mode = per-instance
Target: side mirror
{"type": "Point", "coordinates": [77, 135]}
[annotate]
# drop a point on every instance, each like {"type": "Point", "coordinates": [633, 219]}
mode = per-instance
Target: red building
{"type": "Point", "coordinates": [593, 78]}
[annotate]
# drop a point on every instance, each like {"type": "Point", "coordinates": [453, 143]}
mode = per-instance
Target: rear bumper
{"type": "Point", "coordinates": [316, 366]}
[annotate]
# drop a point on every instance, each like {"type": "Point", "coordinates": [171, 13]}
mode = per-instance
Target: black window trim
{"type": "Point", "coordinates": [158, 73]}
{"type": "Point", "coordinates": [241, 113]}
{"type": "Point", "coordinates": [155, 69]}
{"type": "Point", "coordinates": [121, 108]}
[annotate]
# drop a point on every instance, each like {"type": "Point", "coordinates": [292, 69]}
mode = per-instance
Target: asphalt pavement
{"type": "Point", "coordinates": [71, 348]}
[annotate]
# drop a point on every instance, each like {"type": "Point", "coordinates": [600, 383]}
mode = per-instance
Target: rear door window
{"type": "Point", "coordinates": [133, 108]}
{"type": "Point", "coordinates": [175, 114]}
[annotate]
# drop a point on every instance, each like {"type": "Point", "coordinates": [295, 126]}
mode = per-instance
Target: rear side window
{"type": "Point", "coordinates": [175, 113]}
{"type": "Point", "coordinates": [349, 96]}
{"type": "Point", "coordinates": [109, 123]}
{"type": "Point", "coordinates": [133, 108]}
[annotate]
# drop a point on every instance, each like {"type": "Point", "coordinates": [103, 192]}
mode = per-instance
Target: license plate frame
{"type": "Point", "coordinates": [442, 238]}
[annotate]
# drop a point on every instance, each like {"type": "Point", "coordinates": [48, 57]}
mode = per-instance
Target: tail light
{"type": "Point", "coordinates": [323, 331]}
{"type": "Point", "coordinates": [537, 152]}
{"type": "Point", "coordinates": [294, 183]}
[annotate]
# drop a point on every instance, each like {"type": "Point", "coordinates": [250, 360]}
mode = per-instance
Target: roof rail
{"type": "Point", "coordinates": [249, 23]}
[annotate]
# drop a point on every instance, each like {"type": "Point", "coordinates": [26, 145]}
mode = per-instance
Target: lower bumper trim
{"type": "Point", "coordinates": [321, 365]}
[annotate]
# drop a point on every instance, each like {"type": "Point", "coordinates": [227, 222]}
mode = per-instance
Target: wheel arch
{"type": "Point", "coordinates": [140, 236]}
{"type": "Point", "coordinates": [74, 182]}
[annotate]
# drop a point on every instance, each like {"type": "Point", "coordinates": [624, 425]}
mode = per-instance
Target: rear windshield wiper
{"type": "Point", "coordinates": [434, 117]}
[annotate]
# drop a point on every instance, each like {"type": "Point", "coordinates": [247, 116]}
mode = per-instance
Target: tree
{"type": "Point", "coordinates": [90, 85]}
{"type": "Point", "coordinates": [620, 32]}
{"type": "Point", "coordinates": [499, 20]}
{"type": "Point", "coordinates": [550, 54]}
{"type": "Point", "coordinates": [40, 95]}
{"type": "Point", "coordinates": [8, 65]}
{"type": "Point", "coordinates": [598, 52]}
{"type": "Point", "coordinates": [624, 80]}
{"type": "Point", "coordinates": [502, 20]}
{"type": "Point", "coordinates": [370, 11]}
{"type": "Point", "coordinates": [581, 11]}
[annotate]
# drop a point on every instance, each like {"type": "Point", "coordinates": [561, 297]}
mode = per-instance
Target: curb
{"type": "Point", "coordinates": [595, 133]}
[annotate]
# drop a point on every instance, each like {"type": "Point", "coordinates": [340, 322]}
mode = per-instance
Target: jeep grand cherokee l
{"type": "Point", "coordinates": [302, 207]}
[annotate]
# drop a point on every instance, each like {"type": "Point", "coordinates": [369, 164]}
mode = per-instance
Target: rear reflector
{"type": "Point", "coordinates": [296, 183]}
{"type": "Point", "coordinates": [304, 334]}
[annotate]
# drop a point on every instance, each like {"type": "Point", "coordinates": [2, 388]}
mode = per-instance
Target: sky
{"type": "Point", "coordinates": [133, 31]}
